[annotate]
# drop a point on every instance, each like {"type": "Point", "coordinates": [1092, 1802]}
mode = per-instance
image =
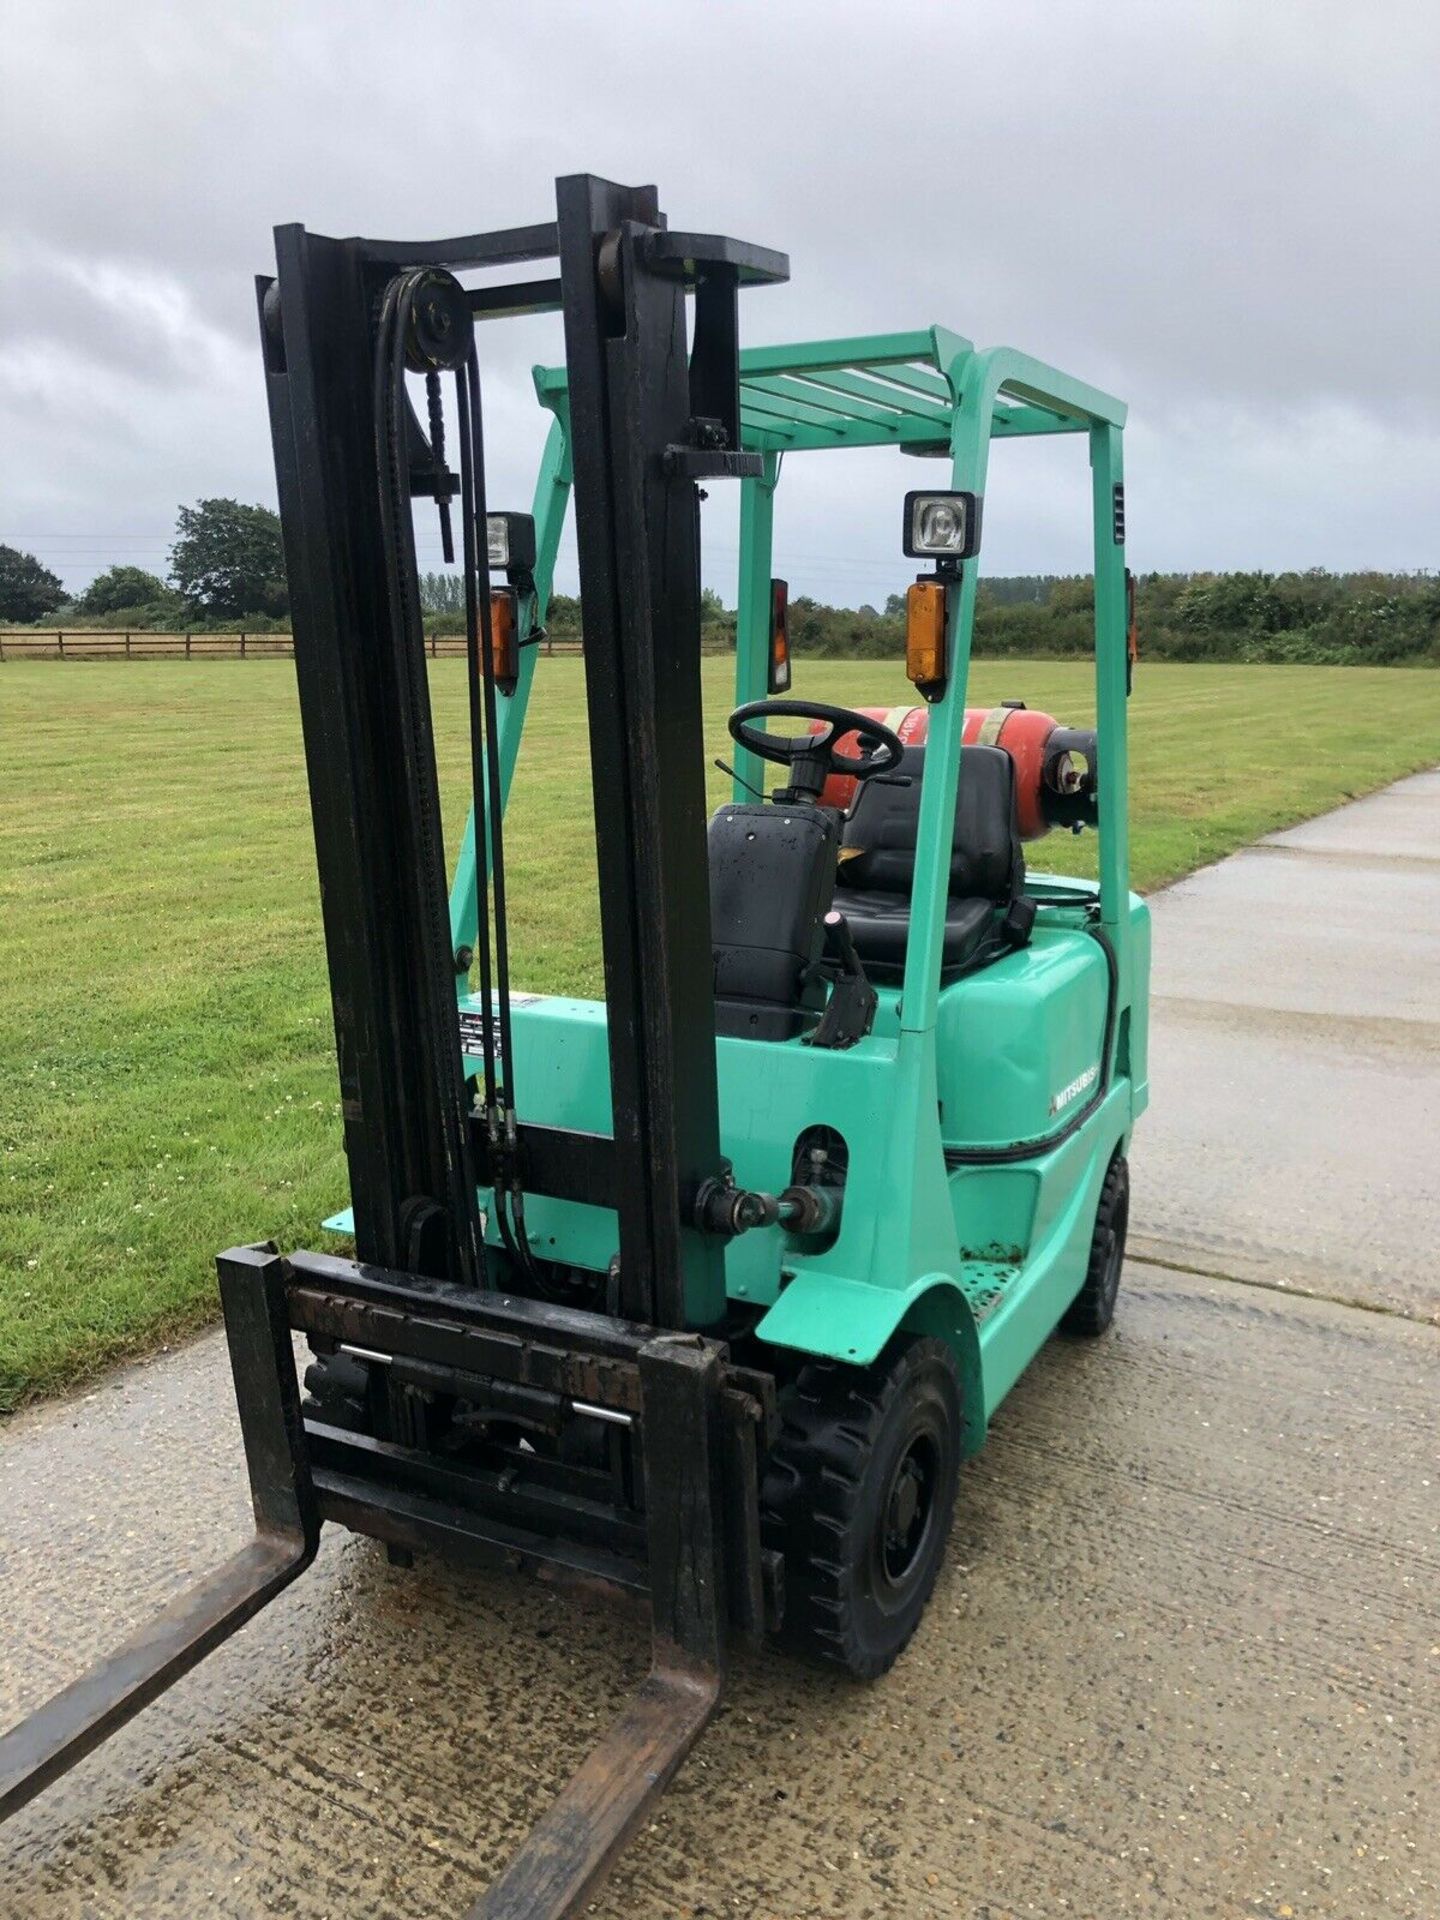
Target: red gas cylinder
{"type": "Point", "coordinates": [1049, 786]}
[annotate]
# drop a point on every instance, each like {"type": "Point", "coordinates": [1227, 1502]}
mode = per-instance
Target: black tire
{"type": "Point", "coordinates": [1093, 1307]}
{"type": "Point", "coordinates": [858, 1495]}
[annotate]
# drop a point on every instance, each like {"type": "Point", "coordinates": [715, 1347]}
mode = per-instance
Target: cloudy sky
{"type": "Point", "coordinates": [1226, 213]}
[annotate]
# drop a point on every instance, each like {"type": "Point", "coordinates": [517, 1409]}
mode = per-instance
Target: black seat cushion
{"type": "Point", "coordinates": [880, 926]}
{"type": "Point", "coordinates": [987, 867]}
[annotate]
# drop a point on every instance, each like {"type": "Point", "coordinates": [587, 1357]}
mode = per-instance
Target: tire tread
{"type": "Point", "coordinates": [811, 1497]}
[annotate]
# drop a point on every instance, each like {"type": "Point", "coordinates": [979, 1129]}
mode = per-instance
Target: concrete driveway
{"type": "Point", "coordinates": [1296, 1059]}
{"type": "Point", "coordinates": [1185, 1656]}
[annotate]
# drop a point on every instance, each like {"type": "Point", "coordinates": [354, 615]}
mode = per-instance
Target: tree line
{"type": "Point", "coordinates": [227, 566]}
{"type": "Point", "coordinates": [1310, 618]}
{"type": "Point", "coordinates": [1313, 618]}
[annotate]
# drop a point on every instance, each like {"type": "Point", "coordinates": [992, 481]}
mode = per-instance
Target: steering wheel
{"type": "Point", "coordinates": [811, 757]}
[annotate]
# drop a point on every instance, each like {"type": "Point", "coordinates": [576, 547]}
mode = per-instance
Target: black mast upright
{"type": "Point", "coordinates": [370, 756]}
{"type": "Point", "coordinates": [638, 449]}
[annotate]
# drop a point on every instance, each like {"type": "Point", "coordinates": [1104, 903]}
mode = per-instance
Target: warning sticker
{"type": "Point", "coordinates": [472, 1025]}
{"type": "Point", "coordinates": [472, 1034]}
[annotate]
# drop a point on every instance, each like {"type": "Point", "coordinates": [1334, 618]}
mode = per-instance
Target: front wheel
{"type": "Point", "coordinates": [858, 1496]}
{"type": "Point", "coordinates": [1093, 1308]}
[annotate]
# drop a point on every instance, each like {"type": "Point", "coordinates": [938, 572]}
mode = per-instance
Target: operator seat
{"type": "Point", "coordinates": [986, 913]}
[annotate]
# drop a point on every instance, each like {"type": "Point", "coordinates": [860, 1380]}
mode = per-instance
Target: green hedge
{"type": "Point", "coordinates": [158, 617]}
{"type": "Point", "coordinates": [1305, 619]}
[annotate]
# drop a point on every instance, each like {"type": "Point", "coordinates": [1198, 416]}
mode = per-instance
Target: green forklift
{"type": "Point", "coordinates": [707, 1289]}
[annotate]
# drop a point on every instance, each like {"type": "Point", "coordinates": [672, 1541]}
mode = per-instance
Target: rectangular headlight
{"type": "Point", "coordinates": [510, 539]}
{"type": "Point", "coordinates": [942, 526]}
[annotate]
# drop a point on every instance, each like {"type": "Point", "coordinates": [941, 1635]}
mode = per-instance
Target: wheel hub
{"type": "Point", "coordinates": [907, 1511]}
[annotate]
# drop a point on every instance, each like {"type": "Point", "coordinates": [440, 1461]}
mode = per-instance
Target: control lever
{"type": "Point", "coordinates": [726, 768]}
{"type": "Point", "coordinates": [850, 1011]}
{"type": "Point", "coordinates": [837, 928]}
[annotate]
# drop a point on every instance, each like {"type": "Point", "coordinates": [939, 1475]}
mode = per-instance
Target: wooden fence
{"type": "Point", "coordinates": [90, 643]}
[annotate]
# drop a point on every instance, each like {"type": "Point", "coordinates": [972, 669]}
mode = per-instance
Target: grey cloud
{"type": "Point", "coordinates": [1224, 212]}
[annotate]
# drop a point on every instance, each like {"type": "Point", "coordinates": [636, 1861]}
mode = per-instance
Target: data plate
{"type": "Point", "coordinates": [472, 1034]}
{"type": "Point", "coordinates": [472, 1025]}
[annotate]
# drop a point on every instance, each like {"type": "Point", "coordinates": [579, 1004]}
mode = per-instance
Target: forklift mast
{"type": "Point", "coordinates": [649, 419]}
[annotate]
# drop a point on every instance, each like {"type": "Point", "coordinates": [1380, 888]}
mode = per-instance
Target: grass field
{"type": "Point", "coordinates": [166, 1079]}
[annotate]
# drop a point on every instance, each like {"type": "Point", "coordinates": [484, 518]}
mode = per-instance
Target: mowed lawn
{"type": "Point", "coordinates": [166, 1079]}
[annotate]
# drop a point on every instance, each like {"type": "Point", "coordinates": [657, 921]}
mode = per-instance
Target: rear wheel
{"type": "Point", "coordinates": [1094, 1306]}
{"type": "Point", "coordinates": [858, 1495]}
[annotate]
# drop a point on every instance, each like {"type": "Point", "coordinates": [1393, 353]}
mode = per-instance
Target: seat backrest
{"type": "Point", "coordinates": [772, 881]}
{"type": "Point", "coordinates": [986, 863]}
